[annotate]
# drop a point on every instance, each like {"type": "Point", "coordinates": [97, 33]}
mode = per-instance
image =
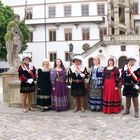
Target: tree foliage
{"type": "Point", "coordinates": [6, 16]}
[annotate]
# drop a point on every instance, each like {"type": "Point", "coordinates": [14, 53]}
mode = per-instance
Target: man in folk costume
{"type": "Point", "coordinates": [130, 81]}
{"type": "Point", "coordinates": [27, 75]}
{"type": "Point", "coordinates": [78, 73]}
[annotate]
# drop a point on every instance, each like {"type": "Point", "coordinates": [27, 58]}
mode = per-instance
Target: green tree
{"type": "Point", "coordinates": [6, 15]}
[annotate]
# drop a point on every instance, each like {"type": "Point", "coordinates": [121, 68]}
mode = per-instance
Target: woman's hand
{"type": "Point", "coordinates": [54, 88]}
{"type": "Point", "coordinates": [116, 88]}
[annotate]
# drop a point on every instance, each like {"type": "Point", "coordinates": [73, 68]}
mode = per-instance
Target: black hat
{"type": "Point", "coordinates": [131, 58]}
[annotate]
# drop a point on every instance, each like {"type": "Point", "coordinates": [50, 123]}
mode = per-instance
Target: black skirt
{"type": "Point", "coordinates": [27, 88]}
{"type": "Point", "coordinates": [78, 89]}
{"type": "Point", "coordinates": [130, 91]}
{"type": "Point", "coordinates": [43, 99]}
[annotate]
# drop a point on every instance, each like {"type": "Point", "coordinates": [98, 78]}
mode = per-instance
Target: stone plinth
{"type": "Point", "coordinates": [6, 78]}
{"type": "Point", "coordinates": [15, 95]}
{"type": "Point", "coordinates": [11, 89]}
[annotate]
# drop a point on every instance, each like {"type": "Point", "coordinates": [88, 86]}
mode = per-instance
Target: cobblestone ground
{"type": "Point", "coordinates": [15, 125]}
{"type": "Point", "coordinates": [68, 126]}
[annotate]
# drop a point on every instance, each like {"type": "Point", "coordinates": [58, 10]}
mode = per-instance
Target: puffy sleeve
{"type": "Point", "coordinates": [21, 75]}
{"type": "Point", "coordinates": [34, 73]}
{"type": "Point", "coordinates": [104, 73]}
{"type": "Point", "coordinates": [39, 78]}
{"type": "Point", "coordinates": [117, 76]}
{"type": "Point", "coordinates": [69, 76]}
{"type": "Point", "coordinates": [52, 76]}
{"type": "Point", "coordinates": [137, 73]}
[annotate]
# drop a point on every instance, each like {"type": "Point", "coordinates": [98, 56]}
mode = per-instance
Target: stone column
{"type": "Point", "coordinates": [127, 16]}
{"type": "Point", "coordinates": [116, 18]}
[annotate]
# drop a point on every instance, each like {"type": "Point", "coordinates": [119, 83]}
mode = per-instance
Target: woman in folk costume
{"type": "Point", "coordinates": [44, 86]}
{"type": "Point", "coordinates": [111, 96]}
{"type": "Point", "coordinates": [95, 84]}
{"type": "Point", "coordinates": [130, 78]}
{"type": "Point", "coordinates": [60, 97]}
{"type": "Point", "coordinates": [27, 75]}
{"type": "Point", "coordinates": [78, 73]}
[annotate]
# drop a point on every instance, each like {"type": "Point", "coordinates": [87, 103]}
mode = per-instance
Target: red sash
{"type": "Point", "coordinates": [28, 69]}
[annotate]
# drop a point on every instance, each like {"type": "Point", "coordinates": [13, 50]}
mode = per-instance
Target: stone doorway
{"type": "Point", "coordinates": [122, 61]}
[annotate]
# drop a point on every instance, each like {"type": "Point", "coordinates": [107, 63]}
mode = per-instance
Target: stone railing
{"type": "Point", "coordinates": [122, 38]}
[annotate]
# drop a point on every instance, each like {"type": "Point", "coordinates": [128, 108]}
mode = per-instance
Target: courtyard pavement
{"type": "Point", "coordinates": [15, 125]}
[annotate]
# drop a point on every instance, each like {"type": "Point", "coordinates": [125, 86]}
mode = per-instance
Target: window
{"type": "Point", "coordinates": [102, 32]}
{"type": "Point", "coordinates": [31, 36]}
{"type": "Point", "coordinates": [52, 35]}
{"type": "Point", "coordinates": [28, 13]}
{"type": "Point", "coordinates": [52, 11]}
{"type": "Point", "coordinates": [137, 29]}
{"type": "Point", "coordinates": [135, 8]}
{"type": "Point", "coordinates": [123, 48]}
{"type": "Point", "coordinates": [53, 56]}
{"type": "Point", "coordinates": [67, 11]}
{"type": "Point", "coordinates": [85, 33]}
{"type": "Point", "coordinates": [67, 56]}
{"type": "Point", "coordinates": [122, 32]}
{"type": "Point", "coordinates": [100, 9]}
{"type": "Point", "coordinates": [68, 34]}
{"type": "Point", "coordinates": [122, 15]}
{"type": "Point", "coordinates": [85, 10]}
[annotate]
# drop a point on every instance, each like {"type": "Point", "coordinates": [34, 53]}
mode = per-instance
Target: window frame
{"type": "Point", "coordinates": [84, 10]}
{"type": "Point", "coordinates": [135, 11]}
{"type": "Point", "coordinates": [29, 13]}
{"type": "Point", "coordinates": [52, 13]}
{"type": "Point", "coordinates": [67, 58]}
{"type": "Point", "coordinates": [51, 37]}
{"type": "Point", "coordinates": [52, 53]}
{"type": "Point", "coordinates": [67, 11]}
{"type": "Point", "coordinates": [87, 36]}
{"type": "Point", "coordinates": [99, 11]}
{"type": "Point", "coordinates": [69, 34]}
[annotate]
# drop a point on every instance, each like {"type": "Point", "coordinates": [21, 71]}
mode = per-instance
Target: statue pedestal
{"type": "Point", "coordinates": [6, 78]}
{"type": "Point", "coordinates": [11, 90]}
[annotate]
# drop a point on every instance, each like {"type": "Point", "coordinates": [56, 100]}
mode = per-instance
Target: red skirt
{"type": "Point", "coordinates": [111, 97]}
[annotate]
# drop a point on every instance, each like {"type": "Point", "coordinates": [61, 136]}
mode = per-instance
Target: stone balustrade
{"type": "Point", "coordinates": [132, 38]}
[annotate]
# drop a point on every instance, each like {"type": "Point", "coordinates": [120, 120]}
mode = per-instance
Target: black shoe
{"type": "Point", "coordinates": [42, 110]}
{"type": "Point", "coordinates": [98, 110]}
{"type": "Point", "coordinates": [48, 109]}
{"type": "Point", "coordinates": [93, 109]}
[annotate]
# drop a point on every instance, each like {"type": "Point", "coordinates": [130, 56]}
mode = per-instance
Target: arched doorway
{"type": "Point", "coordinates": [122, 61]}
{"type": "Point", "coordinates": [90, 62]}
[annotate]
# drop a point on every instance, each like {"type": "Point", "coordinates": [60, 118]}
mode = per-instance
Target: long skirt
{"type": "Point", "coordinates": [43, 99]}
{"type": "Point", "coordinates": [60, 97]}
{"type": "Point", "coordinates": [95, 96]}
{"type": "Point", "coordinates": [111, 97]}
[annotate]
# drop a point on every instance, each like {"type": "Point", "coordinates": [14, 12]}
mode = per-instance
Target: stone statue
{"type": "Point", "coordinates": [14, 39]}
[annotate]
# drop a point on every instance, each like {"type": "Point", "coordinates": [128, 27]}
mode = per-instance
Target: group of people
{"type": "Point", "coordinates": [104, 86]}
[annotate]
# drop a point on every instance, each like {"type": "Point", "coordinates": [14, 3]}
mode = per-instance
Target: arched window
{"type": "Point", "coordinates": [122, 61]}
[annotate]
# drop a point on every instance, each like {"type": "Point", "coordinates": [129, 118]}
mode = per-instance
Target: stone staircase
{"type": "Point", "coordinates": [93, 48]}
